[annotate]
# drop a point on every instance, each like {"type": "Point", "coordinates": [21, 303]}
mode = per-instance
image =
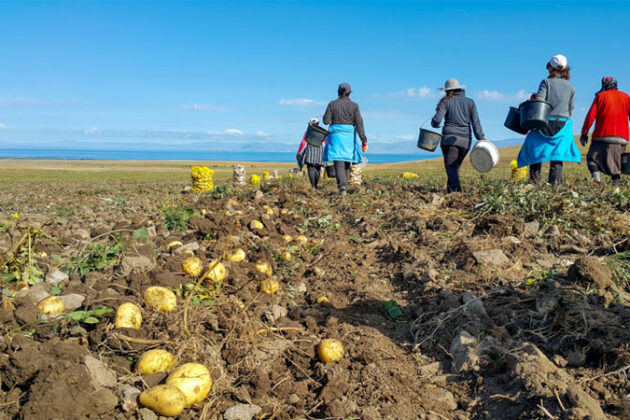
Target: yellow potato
{"type": "Point", "coordinates": [286, 256]}
{"type": "Point", "coordinates": [204, 212]}
{"type": "Point", "coordinates": [269, 286]}
{"type": "Point", "coordinates": [193, 379]}
{"type": "Point", "coordinates": [216, 272]}
{"type": "Point", "coordinates": [173, 244]}
{"type": "Point", "coordinates": [284, 211]}
{"type": "Point", "coordinates": [128, 315]}
{"type": "Point", "coordinates": [287, 238]}
{"type": "Point", "coordinates": [268, 210]}
{"type": "Point", "coordinates": [167, 400]}
{"type": "Point", "coordinates": [264, 267]}
{"type": "Point", "coordinates": [301, 240]}
{"type": "Point", "coordinates": [236, 255]}
{"type": "Point", "coordinates": [192, 266]}
{"type": "Point", "coordinates": [52, 305]}
{"type": "Point", "coordinates": [256, 225]}
{"type": "Point", "coordinates": [330, 350]}
{"type": "Point", "coordinates": [322, 299]}
{"type": "Point", "coordinates": [154, 361]}
{"type": "Point", "coordinates": [160, 298]}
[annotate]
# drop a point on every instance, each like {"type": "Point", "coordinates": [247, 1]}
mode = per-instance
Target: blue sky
{"type": "Point", "coordinates": [164, 74]}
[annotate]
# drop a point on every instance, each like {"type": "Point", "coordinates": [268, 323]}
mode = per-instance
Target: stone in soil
{"type": "Point", "coordinates": [55, 277]}
{"type": "Point", "coordinates": [493, 257]}
{"type": "Point", "coordinates": [464, 352]}
{"type": "Point", "coordinates": [591, 270]}
{"type": "Point", "coordinates": [242, 412]}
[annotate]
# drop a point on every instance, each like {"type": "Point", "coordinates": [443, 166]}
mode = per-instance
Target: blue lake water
{"type": "Point", "coordinates": [187, 155]}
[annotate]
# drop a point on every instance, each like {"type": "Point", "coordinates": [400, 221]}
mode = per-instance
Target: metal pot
{"type": "Point", "coordinates": [429, 140]}
{"type": "Point", "coordinates": [315, 135]}
{"type": "Point", "coordinates": [484, 156]}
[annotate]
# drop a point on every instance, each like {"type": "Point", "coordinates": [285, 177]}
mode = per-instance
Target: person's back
{"type": "Point", "coordinates": [613, 110]}
{"type": "Point", "coordinates": [457, 119]}
{"type": "Point", "coordinates": [559, 92]}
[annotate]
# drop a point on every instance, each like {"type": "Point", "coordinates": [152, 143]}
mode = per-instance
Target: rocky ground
{"type": "Point", "coordinates": [513, 298]}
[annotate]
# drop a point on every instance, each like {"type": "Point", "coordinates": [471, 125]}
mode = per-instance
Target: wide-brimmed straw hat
{"type": "Point", "coordinates": [452, 84]}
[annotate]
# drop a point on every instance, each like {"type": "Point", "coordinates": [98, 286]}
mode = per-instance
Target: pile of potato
{"type": "Point", "coordinates": [202, 179]}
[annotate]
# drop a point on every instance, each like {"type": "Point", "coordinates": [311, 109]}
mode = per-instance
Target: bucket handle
{"type": "Point", "coordinates": [425, 121]}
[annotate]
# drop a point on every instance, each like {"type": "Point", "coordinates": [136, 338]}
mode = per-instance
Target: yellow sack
{"type": "Point", "coordinates": [518, 174]}
{"type": "Point", "coordinates": [254, 179]}
{"type": "Point", "coordinates": [410, 175]}
{"type": "Point", "coordinates": [202, 179]}
{"type": "Point", "coordinates": [266, 175]}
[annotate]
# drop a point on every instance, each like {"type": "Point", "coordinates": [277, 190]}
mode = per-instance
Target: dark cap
{"type": "Point", "coordinates": [344, 88]}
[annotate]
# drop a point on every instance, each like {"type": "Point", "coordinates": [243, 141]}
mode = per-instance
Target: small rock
{"type": "Point", "coordinates": [443, 399]}
{"type": "Point", "coordinates": [301, 287]}
{"type": "Point", "coordinates": [105, 400]}
{"type": "Point", "coordinates": [81, 234]}
{"type": "Point", "coordinates": [319, 272]}
{"type": "Point", "coordinates": [512, 240]}
{"type": "Point", "coordinates": [531, 229]}
{"type": "Point", "coordinates": [559, 360]}
{"type": "Point", "coordinates": [431, 369]}
{"type": "Point", "coordinates": [38, 292]}
{"type": "Point", "coordinates": [572, 249]}
{"type": "Point", "coordinates": [151, 231]}
{"type": "Point", "coordinates": [546, 304]}
{"type": "Point", "coordinates": [474, 304]}
{"type": "Point", "coordinates": [55, 277]}
{"type": "Point", "coordinates": [101, 375]}
{"type": "Point", "coordinates": [72, 301]}
{"type": "Point", "coordinates": [242, 412]}
{"type": "Point", "coordinates": [129, 398]}
{"type": "Point", "coordinates": [136, 264]}
{"type": "Point", "coordinates": [464, 351]}
{"type": "Point", "coordinates": [26, 313]}
{"type": "Point", "coordinates": [576, 358]}
{"type": "Point", "coordinates": [494, 257]}
{"type": "Point", "coordinates": [437, 200]}
{"type": "Point", "coordinates": [146, 414]}
{"type": "Point", "coordinates": [190, 246]}
{"type": "Point", "coordinates": [552, 231]}
{"type": "Point", "coordinates": [276, 313]}
{"type": "Point", "coordinates": [259, 195]}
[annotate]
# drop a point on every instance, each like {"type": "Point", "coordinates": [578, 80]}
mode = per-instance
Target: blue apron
{"type": "Point", "coordinates": [539, 148]}
{"type": "Point", "coordinates": [342, 144]}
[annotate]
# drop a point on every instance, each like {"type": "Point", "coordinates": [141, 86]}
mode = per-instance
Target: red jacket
{"type": "Point", "coordinates": [611, 109]}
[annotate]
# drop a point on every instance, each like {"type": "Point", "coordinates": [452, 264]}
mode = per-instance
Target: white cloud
{"type": "Point", "coordinates": [233, 132]}
{"type": "Point", "coordinates": [3, 126]}
{"type": "Point", "coordinates": [301, 102]}
{"type": "Point", "coordinates": [496, 96]}
{"type": "Point", "coordinates": [262, 134]}
{"type": "Point", "coordinates": [203, 107]}
{"type": "Point", "coordinates": [407, 137]}
{"type": "Point", "coordinates": [92, 131]}
{"type": "Point", "coordinates": [412, 92]}
{"type": "Point", "coordinates": [18, 100]}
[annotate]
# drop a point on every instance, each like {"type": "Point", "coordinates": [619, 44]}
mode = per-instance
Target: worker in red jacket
{"type": "Point", "coordinates": [610, 110]}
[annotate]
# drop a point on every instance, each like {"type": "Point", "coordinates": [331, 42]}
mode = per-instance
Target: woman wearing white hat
{"type": "Point", "coordinates": [555, 143]}
{"type": "Point", "coordinates": [459, 114]}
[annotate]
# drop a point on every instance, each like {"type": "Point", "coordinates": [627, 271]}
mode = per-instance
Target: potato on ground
{"type": "Point", "coordinates": [52, 305]}
{"type": "Point", "coordinates": [167, 400]}
{"type": "Point", "coordinates": [128, 315]}
{"type": "Point", "coordinates": [154, 361]}
{"type": "Point", "coordinates": [160, 298]}
{"type": "Point", "coordinates": [330, 350]}
{"type": "Point", "coordinates": [193, 379]}
{"type": "Point", "coordinates": [192, 266]}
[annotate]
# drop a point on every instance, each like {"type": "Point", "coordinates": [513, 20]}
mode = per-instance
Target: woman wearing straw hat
{"type": "Point", "coordinates": [459, 114]}
{"type": "Point", "coordinates": [610, 111]}
{"type": "Point", "coordinates": [555, 143]}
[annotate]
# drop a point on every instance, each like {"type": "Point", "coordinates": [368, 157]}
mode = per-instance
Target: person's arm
{"type": "Point", "coordinates": [542, 91]}
{"type": "Point", "coordinates": [572, 102]}
{"type": "Point", "coordinates": [302, 145]}
{"type": "Point", "coordinates": [474, 121]}
{"type": "Point", "coordinates": [590, 116]}
{"type": "Point", "coordinates": [358, 124]}
{"type": "Point", "coordinates": [328, 115]}
{"type": "Point", "coordinates": [440, 111]}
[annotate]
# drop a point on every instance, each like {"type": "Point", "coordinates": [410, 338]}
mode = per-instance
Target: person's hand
{"type": "Point", "coordinates": [364, 147]}
{"type": "Point", "coordinates": [584, 139]}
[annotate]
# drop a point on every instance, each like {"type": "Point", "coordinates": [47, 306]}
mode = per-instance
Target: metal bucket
{"type": "Point", "coordinates": [625, 163]}
{"type": "Point", "coordinates": [484, 156]}
{"type": "Point", "coordinates": [315, 135]}
{"type": "Point", "coordinates": [330, 171]}
{"type": "Point", "coordinates": [535, 115]}
{"type": "Point", "coordinates": [513, 121]}
{"type": "Point", "coordinates": [429, 140]}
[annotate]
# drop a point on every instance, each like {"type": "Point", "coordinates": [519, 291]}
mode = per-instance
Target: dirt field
{"type": "Point", "coordinates": [513, 298]}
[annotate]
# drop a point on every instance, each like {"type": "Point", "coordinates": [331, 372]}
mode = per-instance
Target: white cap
{"type": "Point", "coordinates": [558, 62]}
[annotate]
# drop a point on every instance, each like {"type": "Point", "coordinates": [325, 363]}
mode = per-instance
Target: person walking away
{"type": "Point", "coordinates": [554, 143]}
{"type": "Point", "coordinates": [345, 123]}
{"type": "Point", "coordinates": [610, 111]}
{"type": "Point", "coordinates": [312, 156]}
{"type": "Point", "coordinates": [459, 114]}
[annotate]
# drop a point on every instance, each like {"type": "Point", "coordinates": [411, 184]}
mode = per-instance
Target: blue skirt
{"type": "Point", "coordinates": [539, 148]}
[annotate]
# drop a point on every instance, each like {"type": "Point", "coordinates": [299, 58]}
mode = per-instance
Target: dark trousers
{"type": "Point", "coordinates": [314, 172]}
{"type": "Point", "coordinates": [342, 171]}
{"type": "Point", "coordinates": [453, 158]}
{"type": "Point", "coordinates": [555, 172]}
